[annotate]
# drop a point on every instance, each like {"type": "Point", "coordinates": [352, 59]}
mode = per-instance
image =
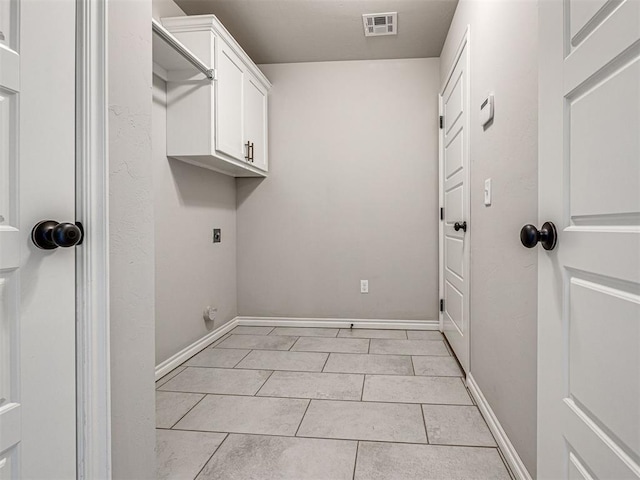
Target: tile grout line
{"type": "Point", "coordinates": [293, 345]}
{"type": "Point", "coordinates": [170, 378]}
{"type": "Point", "coordinates": [214, 452]}
{"type": "Point", "coordinates": [362, 392]}
{"type": "Point", "coordinates": [325, 364]}
{"type": "Point", "coordinates": [505, 463]}
{"type": "Point", "coordinates": [315, 371]}
{"type": "Point", "coordinates": [232, 368]}
{"type": "Point", "coordinates": [273, 332]}
{"type": "Point", "coordinates": [322, 399]}
{"type": "Point", "coordinates": [413, 367]}
{"type": "Point", "coordinates": [464, 385]}
{"type": "Point", "coordinates": [184, 369]}
{"type": "Point", "coordinates": [355, 463]}
{"type": "Point", "coordinates": [485, 447]}
{"type": "Point", "coordinates": [231, 332]}
{"type": "Point", "coordinates": [486, 424]}
{"type": "Point", "coordinates": [263, 384]}
{"type": "Point", "coordinates": [188, 411]}
{"type": "Point", "coordinates": [302, 419]}
{"type": "Point", "coordinates": [219, 341]}
{"type": "Point", "coordinates": [424, 422]}
{"type": "Point", "coordinates": [399, 354]}
{"type": "Point", "coordinates": [448, 347]}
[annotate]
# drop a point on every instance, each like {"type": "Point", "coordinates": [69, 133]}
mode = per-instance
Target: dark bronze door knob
{"type": "Point", "coordinates": [457, 226]}
{"type": "Point", "coordinates": [547, 236]}
{"type": "Point", "coordinates": [49, 235]}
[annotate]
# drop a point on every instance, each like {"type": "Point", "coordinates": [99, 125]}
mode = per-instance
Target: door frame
{"type": "Point", "coordinates": [93, 390]}
{"type": "Point", "coordinates": [464, 43]}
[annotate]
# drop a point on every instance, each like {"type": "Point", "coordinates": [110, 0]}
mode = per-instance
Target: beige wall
{"type": "Point", "coordinates": [191, 271]}
{"type": "Point", "coordinates": [166, 8]}
{"type": "Point", "coordinates": [352, 194]}
{"type": "Point", "coordinates": [503, 50]}
{"type": "Point", "coordinates": [131, 240]}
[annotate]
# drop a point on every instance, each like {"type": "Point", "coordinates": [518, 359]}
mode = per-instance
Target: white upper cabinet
{"type": "Point", "coordinates": [255, 121]}
{"type": "Point", "coordinates": [220, 124]}
{"type": "Point", "coordinates": [229, 99]}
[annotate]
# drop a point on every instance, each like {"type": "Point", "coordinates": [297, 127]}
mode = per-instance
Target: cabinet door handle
{"type": "Point", "coordinates": [247, 157]}
{"type": "Point", "coordinates": [251, 154]}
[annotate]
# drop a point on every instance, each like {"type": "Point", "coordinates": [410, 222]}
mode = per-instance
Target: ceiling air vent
{"type": "Point", "coordinates": [376, 24]}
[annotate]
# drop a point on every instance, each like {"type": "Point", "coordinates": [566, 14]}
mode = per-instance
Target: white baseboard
{"type": "Point", "coordinates": [188, 352]}
{"type": "Point", "coordinates": [511, 455]}
{"type": "Point", "coordinates": [340, 323]}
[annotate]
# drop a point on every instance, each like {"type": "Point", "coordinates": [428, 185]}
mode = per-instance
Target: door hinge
{"type": "Point", "coordinates": [441, 213]}
{"type": "Point", "coordinates": [441, 121]}
{"type": "Point", "coordinates": [442, 304]}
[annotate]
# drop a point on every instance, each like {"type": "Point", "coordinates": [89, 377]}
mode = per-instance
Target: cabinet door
{"type": "Point", "coordinates": [229, 86]}
{"type": "Point", "coordinates": [255, 120]}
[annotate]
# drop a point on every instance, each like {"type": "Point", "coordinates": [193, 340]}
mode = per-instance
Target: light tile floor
{"type": "Point", "coordinates": [322, 404]}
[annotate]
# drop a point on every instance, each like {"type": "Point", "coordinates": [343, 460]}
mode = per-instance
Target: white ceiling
{"type": "Point", "coordinates": [288, 31]}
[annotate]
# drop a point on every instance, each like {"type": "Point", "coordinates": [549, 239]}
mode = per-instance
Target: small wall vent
{"type": "Point", "coordinates": [376, 24]}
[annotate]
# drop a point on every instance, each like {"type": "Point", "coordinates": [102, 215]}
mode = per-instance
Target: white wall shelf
{"type": "Point", "coordinates": [216, 97]}
{"type": "Point", "coordinates": [170, 54]}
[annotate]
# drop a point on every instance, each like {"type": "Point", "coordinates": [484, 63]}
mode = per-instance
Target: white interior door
{"type": "Point", "coordinates": [589, 286]}
{"type": "Point", "coordinates": [37, 287]}
{"type": "Point", "coordinates": [455, 199]}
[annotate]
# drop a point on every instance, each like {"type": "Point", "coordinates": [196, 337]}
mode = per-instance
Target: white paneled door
{"type": "Point", "coordinates": [455, 200]}
{"type": "Point", "coordinates": [589, 285]}
{"type": "Point", "coordinates": [37, 287]}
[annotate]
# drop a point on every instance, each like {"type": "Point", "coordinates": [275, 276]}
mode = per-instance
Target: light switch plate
{"type": "Point", "coordinates": [487, 192]}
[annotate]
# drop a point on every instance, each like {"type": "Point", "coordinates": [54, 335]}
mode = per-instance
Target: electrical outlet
{"type": "Point", "coordinates": [217, 235]}
{"type": "Point", "coordinates": [364, 286]}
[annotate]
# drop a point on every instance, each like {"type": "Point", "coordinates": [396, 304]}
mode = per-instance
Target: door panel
{"type": "Point", "coordinates": [8, 136]}
{"type": "Point", "coordinates": [582, 12]}
{"type": "Point", "coordinates": [589, 286]}
{"type": "Point", "coordinates": [591, 360]}
{"type": "Point", "coordinates": [255, 120]}
{"type": "Point", "coordinates": [455, 256]}
{"type": "Point", "coordinates": [577, 471]}
{"type": "Point", "coordinates": [230, 83]}
{"type": "Point", "coordinates": [454, 201]}
{"type": "Point", "coordinates": [10, 401]}
{"type": "Point", "coordinates": [602, 126]}
{"type": "Point", "coordinates": [455, 154]}
{"type": "Point", "coordinates": [455, 188]}
{"type": "Point", "coordinates": [454, 100]}
{"type": "Point", "coordinates": [455, 306]}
